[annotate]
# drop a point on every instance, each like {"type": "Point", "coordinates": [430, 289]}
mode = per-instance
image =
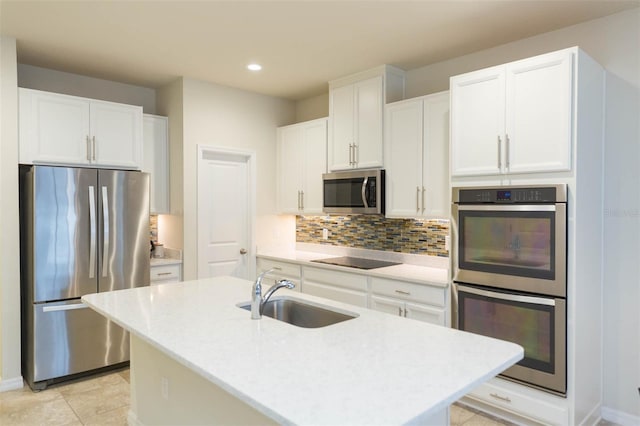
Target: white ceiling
{"type": "Point", "coordinates": [301, 44]}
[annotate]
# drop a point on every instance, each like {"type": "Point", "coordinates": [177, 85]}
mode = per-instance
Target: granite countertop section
{"type": "Point", "coordinates": [429, 275]}
{"type": "Point", "coordinates": [374, 369]}
{"type": "Point", "coordinates": [156, 261]}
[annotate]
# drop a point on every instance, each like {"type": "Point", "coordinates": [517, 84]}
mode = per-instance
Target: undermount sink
{"type": "Point", "coordinates": [301, 314]}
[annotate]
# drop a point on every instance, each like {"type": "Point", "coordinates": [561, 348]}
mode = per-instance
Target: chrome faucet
{"type": "Point", "coordinates": [257, 301]}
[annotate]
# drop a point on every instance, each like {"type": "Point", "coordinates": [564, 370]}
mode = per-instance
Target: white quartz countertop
{"type": "Point", "coordinates": [415, 273]}
{"type": "Point", "coordinates": [374, 369]}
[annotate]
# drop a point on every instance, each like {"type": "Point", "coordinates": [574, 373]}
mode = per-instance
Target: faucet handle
{"type": "Point", "coordinates": [286, 283]}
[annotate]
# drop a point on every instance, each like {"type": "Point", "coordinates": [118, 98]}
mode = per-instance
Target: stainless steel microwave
{"type": "Point", "coordinates": [353, 192]}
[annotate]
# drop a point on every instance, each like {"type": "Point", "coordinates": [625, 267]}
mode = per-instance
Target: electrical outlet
{"type": "Point", "coordinates": [164, 388]}
{"type": "Point", "coordinates": [447, 244]}
{"type": "Point", "coordinates": [325, 234]}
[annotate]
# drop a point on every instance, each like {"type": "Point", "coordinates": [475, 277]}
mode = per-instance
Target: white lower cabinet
{"type": "Point", "coordinates": [517, 403]}
{"type": "Point", "coordinates": [284, 270]}
{"type": "Point", "coordinates": [335, 285]}
{"type": "Point", "coordinates": [405, 299]}
{"type": "Point", "coordinates": [163, 274]}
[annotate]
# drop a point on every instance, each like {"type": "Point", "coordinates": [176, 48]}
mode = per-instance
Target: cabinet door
{"type": "Point", "coordinates": [403, 159]}
{"type": "Point", "coordinates": [435, 160]}
{"type": "Point", "coordinates": [390, 306]}
{"type": "Point", "coordinates": [477, 122]}
{"type": "Point", "coordinates": [539, 113]}
{"type": "Point", "coordinates": [369, 102]}
{"type": "Point", "coordinates": [341, 135]}
{"type": "Point", "coordinates": [314, 165]}
{"type": "Point", "coordinates": [53, 128]}
{"type": "Point", "coordinates": [425, 313]}
{"type": "Point", "coordinates": [117, 130]}
{"type": "Point", "coordinates": [156, 161]}
{"type": "Point", "coordinates": [291, 157]}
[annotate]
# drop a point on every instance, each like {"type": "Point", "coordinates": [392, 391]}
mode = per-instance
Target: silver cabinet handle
{"type": "Point", "coordinates": [423, 191]}
{"type": "Point", "coordinates": [499, 153]}
{"type": "Point", "coordinates": [501, 398]}
{"type": "Point", "coordinates": [406, 293]}
{"type": "Point", "coordinates": [88, 149]}
{"type": "Point", "coordinates": [363, 192]}
{"type": "Point", "coordinates": [164, 273]}
{"type": "Point", "coordinates": [94, 148]}
{"type": "Point", "coordinates": [243, 251]}
{"type": "Point", "coordinates": [417, 199]}
{"type": "Point", "coordinates": [351, 154]}
{"type": "Point", "coordinates": [92, 231]}
{"type": "Point", "coordinates": [105, 230]}
{"type": "Point", "coordinates": [301, 200]}
{"type": "Point", "coordinates": [355, 154]}
{"type": "Point", "coordinates": [399, 311]}
{"type": "Point", "coordinates": [64, 307]}
{"type": "Point", "coordinates": [507, 160]}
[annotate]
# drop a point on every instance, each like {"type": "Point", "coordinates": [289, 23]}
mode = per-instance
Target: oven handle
{"type": "Point", "coordinates": [510, 208]}
{"type": "Point", "coordinates": [509, 297]}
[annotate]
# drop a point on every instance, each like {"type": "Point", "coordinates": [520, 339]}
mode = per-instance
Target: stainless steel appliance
{"type": "Point", "coordinates": [509, 272]}
{"type": "Point", "coordinates": [82, 231]}
{"type": "Point", "coordinates": [354, 192]}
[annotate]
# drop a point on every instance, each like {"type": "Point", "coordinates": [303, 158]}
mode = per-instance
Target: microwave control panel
{"type": "Point", "coordinates": [507, 195]}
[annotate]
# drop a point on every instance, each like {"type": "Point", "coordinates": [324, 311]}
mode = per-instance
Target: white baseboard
{"type": "Point", "coordinates": [11, 384]}
{"type": "Point", "coordinates": [620, 417]}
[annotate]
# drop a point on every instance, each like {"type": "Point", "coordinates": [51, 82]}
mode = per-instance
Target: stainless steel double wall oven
{"type": "Point", "coordinates": [510, 274]}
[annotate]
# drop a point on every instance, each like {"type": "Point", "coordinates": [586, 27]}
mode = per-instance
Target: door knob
{"type": "Point", "coordinates": [243, 251]}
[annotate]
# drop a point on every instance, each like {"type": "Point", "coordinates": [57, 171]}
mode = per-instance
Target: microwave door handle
{"type": "Point", "coordinates": [364, 192]}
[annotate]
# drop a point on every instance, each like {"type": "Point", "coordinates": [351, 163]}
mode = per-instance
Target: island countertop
{"type": "Point", "coordinates": [374, 369]}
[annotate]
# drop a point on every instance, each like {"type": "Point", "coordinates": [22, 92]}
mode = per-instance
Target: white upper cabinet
{"type": "Point", "coordinates": [356, 109]}
{"type": "Point", "coordinates": [156, 161]}
{"type": "Point", "coordinates": [513, 118]}
{"type": "Point", "coordinates": [69, 130]}
{"type": "Point", "coordinates": [416, 157]}
{"type": "Point", "coordinates": [302, 159]}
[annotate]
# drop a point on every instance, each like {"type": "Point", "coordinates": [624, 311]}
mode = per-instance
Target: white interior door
{"type": "Point", "coordinates": [225, 213]}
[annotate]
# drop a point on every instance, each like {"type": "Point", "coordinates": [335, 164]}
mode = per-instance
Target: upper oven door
{"type": "Point", "coordinates": [516, 247]}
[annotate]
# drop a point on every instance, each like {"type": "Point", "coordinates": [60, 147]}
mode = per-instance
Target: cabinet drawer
{"type": "Point", "coordinates": [522, 401]}
{"type": "Point", "coordinates": [334, 278]}
{"type": "Point", "coordinates": [408, 291]}
{"type": "Point", "coordinates": [336, 293]}
{"type": "Point", "coordinates": [165, 273]}
{"type": "Point", "coordinates": [287, 270]}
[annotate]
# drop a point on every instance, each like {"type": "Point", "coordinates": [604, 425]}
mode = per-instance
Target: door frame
{"type": "Point", "coordinates": [249, 156]}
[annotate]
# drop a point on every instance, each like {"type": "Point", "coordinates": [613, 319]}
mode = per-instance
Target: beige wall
{"type": "Point", "coordinates": [88, 87]}
{"type": "Point", "coordinates": [222, 116]}
{"type": "Point", "coordinates": [312, 108]}
{"type": "Point", "coordinates": [9, 221]}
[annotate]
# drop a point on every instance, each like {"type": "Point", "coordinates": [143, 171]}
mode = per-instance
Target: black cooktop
{"type": "Point", "coordinates": [356, 262]}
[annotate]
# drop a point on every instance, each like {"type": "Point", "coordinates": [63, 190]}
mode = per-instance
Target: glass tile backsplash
{"type": "Point", "coordinates": [414, 236]}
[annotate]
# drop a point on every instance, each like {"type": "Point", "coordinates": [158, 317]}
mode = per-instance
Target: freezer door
{"type": "Point", "coordinates": [60, 210]}
{"type": "Point", "coordinates": [69, 337]}
{"type": "Point", "coordinates": [123, 207]}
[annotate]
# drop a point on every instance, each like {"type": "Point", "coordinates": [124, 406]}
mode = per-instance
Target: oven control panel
{"type": "Point", "coordinates": [507, 195]}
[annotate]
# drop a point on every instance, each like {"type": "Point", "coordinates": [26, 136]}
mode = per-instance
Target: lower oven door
{"type": "Point", "coordinates": [537, 323]}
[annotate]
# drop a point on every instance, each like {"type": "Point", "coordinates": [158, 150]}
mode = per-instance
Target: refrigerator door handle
{"type": "Point", "coordinates": [105, 220]}
{"type": "Point", "coordinates": [92, 231]}
{"type": "Point", "coordinates": [64, 307]}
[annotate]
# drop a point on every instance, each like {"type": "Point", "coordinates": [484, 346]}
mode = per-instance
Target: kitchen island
{"type": "Point", "coordinates": [196, 357]}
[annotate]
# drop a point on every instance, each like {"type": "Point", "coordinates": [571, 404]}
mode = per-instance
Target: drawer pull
{"type": "Point", "coordinates": [165, 273]}
{"type": "Point", "coordinates": [406, 293]}
{"type": "Point", "coordinates": [501, 398]}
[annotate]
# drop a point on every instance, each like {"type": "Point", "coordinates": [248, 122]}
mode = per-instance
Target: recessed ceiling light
{"type": "Point", "coordinates": [254, 67]}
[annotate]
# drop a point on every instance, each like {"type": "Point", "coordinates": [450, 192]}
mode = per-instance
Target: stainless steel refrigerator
{"type": "Point", "coordinates": [82, 231]}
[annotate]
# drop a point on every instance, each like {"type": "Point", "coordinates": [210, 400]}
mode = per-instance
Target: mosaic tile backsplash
{"type": "Point", "coordinates": [414, 236]}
